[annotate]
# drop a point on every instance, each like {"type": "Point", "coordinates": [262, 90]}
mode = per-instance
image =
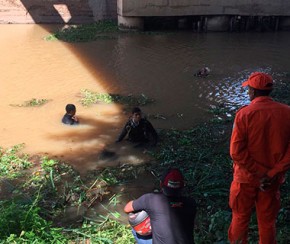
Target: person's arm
{"type": "Point", "coordinates": [75, 119]}
{"type": "Point", "coordinates": [142, 203]}
{"type": "Point", "coordinates": [123, 132]}
{"type": "Point", "coordinates": [129, 207]}
{"type": "Point", "coordinates": [282, 166]}
{"type": "Point", "coordinates": [239, 151]}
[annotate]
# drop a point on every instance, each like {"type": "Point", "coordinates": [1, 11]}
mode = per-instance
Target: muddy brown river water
{"type": "Point", "coordinates": [158, 66]}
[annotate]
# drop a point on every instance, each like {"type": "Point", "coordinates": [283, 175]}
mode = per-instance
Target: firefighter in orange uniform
{"type": "Point", "coordinates": [260, 149]}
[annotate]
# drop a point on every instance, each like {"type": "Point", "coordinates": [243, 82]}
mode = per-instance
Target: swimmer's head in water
{"type": "Point", "coordinates": [70, 109]}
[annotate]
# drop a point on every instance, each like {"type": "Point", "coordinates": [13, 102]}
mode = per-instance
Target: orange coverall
{"type": "Point", "coordinates": [260, 147]}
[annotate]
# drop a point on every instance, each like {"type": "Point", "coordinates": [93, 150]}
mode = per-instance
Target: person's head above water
{"type": "Point", "coordinates": [70, 118]}
{"type": "Point", "coordinates": [70, 109]}
{"type": "Point", "coordinates": [136, 114]}
{"type": "Point", "coordinates": [136, 110]}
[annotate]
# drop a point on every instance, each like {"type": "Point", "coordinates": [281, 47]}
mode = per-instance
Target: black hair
{"type": "Point", "coordinates": [136, 110]}
{"type": "Point", "coordinates": [70, 108]}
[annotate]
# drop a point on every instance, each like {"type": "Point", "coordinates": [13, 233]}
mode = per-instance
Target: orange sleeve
{"type": "Point", "coordinates": [283, 165]}
{"type": "Point", "coordinates": [239, 151]}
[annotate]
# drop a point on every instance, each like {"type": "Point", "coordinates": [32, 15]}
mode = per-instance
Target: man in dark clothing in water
{"type": "Point", "coordinates": [138, 129]}
{"type": "Point", "coordinates": [69, 118]}
{"type": "Point", "coordinates": [171, 214]}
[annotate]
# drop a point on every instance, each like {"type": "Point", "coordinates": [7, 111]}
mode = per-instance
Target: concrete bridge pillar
{"type": "Point", "coordinates": [285, 23]}
{"type": "Point", "coordinates": [130, 23]}
{"type": "Point", "coordinates": [218, 23]}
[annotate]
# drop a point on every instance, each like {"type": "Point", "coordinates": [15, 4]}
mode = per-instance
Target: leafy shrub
{"type": "Point", "coordinates": [34, 102]}
{"type": "Point", "coordinates": [22, 223]}
{"type": "Point", "coordinates": [90, 97]}
{"type": "Point", "coordinates": [12, 162]}
{"type": "Point", "coordinates": [86, 32]}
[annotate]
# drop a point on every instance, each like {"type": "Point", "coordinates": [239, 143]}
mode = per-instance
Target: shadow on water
{"type": "Point", "coordinates": [89, 147]}
{"type": "Point", "coordinates": [85, 144]}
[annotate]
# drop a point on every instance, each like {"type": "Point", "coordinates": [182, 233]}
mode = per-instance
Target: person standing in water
{"type": "Point", "coordinates": [70, 118]}
{"type": "Point", "coordinates": [138, 129]}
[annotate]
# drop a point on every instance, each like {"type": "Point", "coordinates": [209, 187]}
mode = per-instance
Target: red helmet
{"type": "Point", "coordinates": [140, 222]}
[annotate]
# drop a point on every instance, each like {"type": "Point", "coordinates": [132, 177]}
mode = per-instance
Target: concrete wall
{"type": "Point", "coordinates": [56, 11]}
{"type": "Point", "coordinates": [143, 8]}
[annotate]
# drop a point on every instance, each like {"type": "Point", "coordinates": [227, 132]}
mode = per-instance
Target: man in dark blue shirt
{"type": "Point", "coordinates": [171, 214]}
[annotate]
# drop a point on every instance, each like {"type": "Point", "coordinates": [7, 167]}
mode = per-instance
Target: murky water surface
{"type": "Point", "coordinates": [158, 66]}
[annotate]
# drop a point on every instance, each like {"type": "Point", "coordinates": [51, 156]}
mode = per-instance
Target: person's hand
{"type": "Point", "coordinates": [266, 183]}
{"type": "Point", "coordinates": [75, 118]}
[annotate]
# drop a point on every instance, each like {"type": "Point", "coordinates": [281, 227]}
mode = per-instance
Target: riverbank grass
{"type": "Point", "coordinates": [34, 102]}
{"type": "Point", "coordinates": [86, 32]}
{"type": "Point", "coordinates": [89, 98]}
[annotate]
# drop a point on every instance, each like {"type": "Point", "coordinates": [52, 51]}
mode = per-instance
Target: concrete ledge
{"type": "Point", "coordinates": [206, 7]}
{"type": "Point", "coordinates": [218, 23]}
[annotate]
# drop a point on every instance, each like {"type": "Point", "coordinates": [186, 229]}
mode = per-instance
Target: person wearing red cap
{"type": "Point", "coordinates": [171, 214]}
{"type": "Point", "coordinates": [260, 149]}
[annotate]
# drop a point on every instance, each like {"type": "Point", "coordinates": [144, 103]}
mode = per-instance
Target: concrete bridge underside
{"type": "Point", "coordinates": [131, 13]}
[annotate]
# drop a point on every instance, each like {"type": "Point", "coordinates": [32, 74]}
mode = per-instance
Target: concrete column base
{"type": "Point", "coordinates": [285, 23]}
{"type": "Point", "coordinates": [218, 23]}
{"type": "Point", "coordinates": [130, 23]}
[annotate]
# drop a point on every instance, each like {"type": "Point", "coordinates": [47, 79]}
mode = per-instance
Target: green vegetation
{"type": "Point", "coordinates": [101, 30]}
{"type": "Point", "coordinates": [35, 201]}
{"type": "Point", "coordinates": [27, 225]}
{"type": "Point", "coordinates": [90, 97]}
{"type": "Point", "coordinates": [22, 223]}
{"type": "Point", "coordinates": [11, 163]}
{"type": "Point", "coordinates": [39, 192]}
{"type": "Point", "coordinates": [86, 32]}
{"type": "Point", "coordinates": [106, 232]}
{"type": "Point", "coordinates": [34, 102]}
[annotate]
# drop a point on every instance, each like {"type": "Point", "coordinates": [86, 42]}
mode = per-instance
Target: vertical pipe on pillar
{"type": "Point", "coordinates": [201, 23]}
{"type": "Point", "coordinates": [247, 22]}
{"type": "Point", "coordinates": [198, 25]}
{"type": "Point", "coordinates": [260, 23]}
{"type": "Point", "coordinates": [231, 23]}
{"type": "Point", "coordinates": [205, 24]}
{"type": "Point", "coordinates": [277, 18]}
{"type": "Point", "coordinates": [194, 26]}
